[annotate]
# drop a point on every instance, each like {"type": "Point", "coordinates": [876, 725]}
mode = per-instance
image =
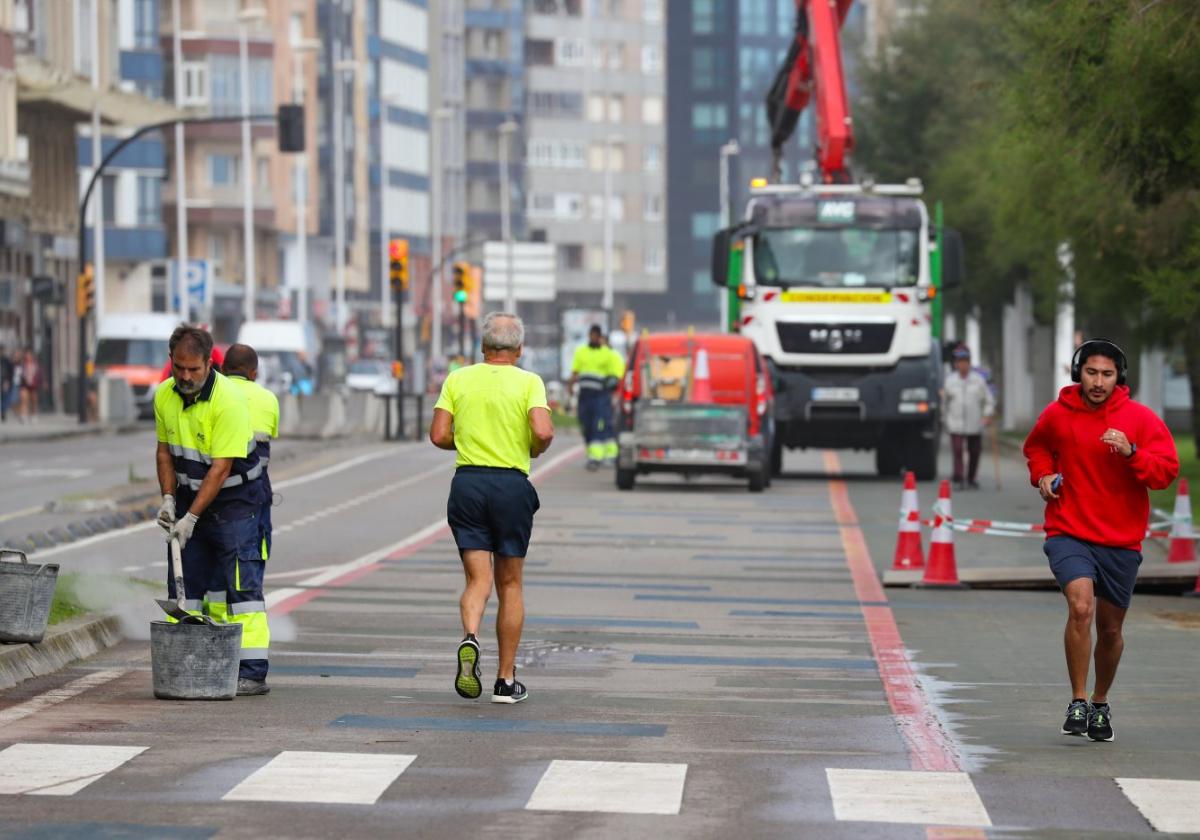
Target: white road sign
{"type": "Point", "coordinates": [533, 271]}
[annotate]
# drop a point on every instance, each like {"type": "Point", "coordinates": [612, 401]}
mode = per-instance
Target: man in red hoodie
{"type": "Point", "coordinates": [1092, 455]}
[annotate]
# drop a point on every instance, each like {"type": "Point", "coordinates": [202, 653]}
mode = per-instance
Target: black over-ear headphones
{"type": "Point", "coordinates": [1102, 347]}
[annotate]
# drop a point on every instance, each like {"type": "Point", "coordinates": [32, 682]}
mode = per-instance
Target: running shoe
{"type": "Point", "coordinates": [1077, 718]}
{"type": "Point", "coordinates": [466, 682]}
{"type": "Point", "coordinates": [1099, 723]}
{"type": "Point", "coordinates": [506, 692]}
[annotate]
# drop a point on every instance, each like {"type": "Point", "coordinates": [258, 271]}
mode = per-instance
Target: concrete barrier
{"type": "Point", "coordinates": [116, 404]}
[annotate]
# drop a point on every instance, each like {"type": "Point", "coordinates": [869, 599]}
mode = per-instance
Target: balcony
{"type": "Point", "coordinates": [222, 204]}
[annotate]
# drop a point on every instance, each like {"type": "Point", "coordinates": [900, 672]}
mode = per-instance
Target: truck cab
{"type": "Point", "coordinates": [833, 284]}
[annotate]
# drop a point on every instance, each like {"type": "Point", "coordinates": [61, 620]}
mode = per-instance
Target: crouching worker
{"type": "Point", "coordinates": [210, 477]}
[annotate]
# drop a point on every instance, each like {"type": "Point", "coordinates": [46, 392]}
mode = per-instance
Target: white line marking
{"type": "Point", "coordinates": [614, 787]}
{"type": "Point", "coordinates": [906, 796]}
{"type": "Point", "coordinates": [294, 572]}
{"type": "Point", "coordinates": [328, 777]}
{"type": "Point", "coordinates": [1169, 805]}
{"type": "Point", "coordinates": [54, 472]}
{"type": "Point", "coordinates": [17, 514]}
{"type": "Point", "coordinates": [56, 695]}
{"type": "Point", "coordinates": [58, 769]}
{"type": "Point", "coordinates": [373, 455]}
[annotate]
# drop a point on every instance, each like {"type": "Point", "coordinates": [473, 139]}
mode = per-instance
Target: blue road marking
{"type": "Point", "coordinates": [344, 671]}
{"type": "Point", "coordinates": [547, 727]}
{"type": "Point", "coordinates": [796, 614]}
{"type": "Point", "coordinates": [754, 661]}
{"type": "Point", "coordinates": [612, 622]}
{"type": "Point", "coordinates": [674, 587]}
{"type": "Point", "coordinates": [785, 602]}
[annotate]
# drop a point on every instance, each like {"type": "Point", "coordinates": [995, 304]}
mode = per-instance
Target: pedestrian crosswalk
{"type": "Point", "coordinates": [613, 787]}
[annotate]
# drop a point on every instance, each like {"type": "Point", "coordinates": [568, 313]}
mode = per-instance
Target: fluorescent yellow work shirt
{"type": "Point", "coordinates": [490, 405]}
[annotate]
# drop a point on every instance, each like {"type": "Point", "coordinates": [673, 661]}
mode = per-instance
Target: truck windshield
{"type": "Point", "coordinates": [836, 257]}
{"type": "Point", "coordinates": [131, 351]}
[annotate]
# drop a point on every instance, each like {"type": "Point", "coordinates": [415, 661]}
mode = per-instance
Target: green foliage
{"type": "Point", "coordinates": [1189, 468]}
{"type": "Point", "coordinates": [64, 605]}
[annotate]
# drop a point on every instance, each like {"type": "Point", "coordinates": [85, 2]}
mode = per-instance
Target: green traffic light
{"type": "Point", "coordinates": [460, 297]}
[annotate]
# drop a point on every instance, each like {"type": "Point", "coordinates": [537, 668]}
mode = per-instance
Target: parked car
{"type": "Point", "coordinates": [370, 375]}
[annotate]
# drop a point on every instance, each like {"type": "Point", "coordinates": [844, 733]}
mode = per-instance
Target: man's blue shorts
{"type": "Point", "coordinates": [491, 509]}
{"type": "Point", "coordinates": [1113, 570]}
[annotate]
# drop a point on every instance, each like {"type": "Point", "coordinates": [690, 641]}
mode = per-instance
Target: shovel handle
{"type": "Point", "coordinates": [177, 570]}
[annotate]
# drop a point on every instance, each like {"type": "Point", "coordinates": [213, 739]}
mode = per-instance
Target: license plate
{"type": "Point", "coordinates": [835, 394]}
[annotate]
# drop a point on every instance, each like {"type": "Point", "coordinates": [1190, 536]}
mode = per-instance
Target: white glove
{"type": "Point", "coordinates": [182, 530]}
{"type": "Point", "coordinates": [166, 512]}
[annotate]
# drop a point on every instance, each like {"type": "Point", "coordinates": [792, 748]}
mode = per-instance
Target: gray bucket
{"type": "Point", "coordinates": [25, 595]}
{"type": "Point", "coordinates": [194, 661]}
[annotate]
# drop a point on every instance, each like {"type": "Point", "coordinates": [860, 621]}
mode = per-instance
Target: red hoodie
{"type": "Point", "coordinates": [1103, 497]}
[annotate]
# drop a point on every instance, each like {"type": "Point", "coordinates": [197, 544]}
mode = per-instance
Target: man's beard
{"type": "Point", "coordinates": [189, 389]}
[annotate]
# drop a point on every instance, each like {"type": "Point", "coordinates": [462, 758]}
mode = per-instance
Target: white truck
{"type": "Point", "coordinates": [834, 286]}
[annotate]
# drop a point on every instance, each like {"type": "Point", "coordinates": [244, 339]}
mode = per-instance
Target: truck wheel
{"type": "Point", "coordinates": [776, 466]}
{"type": "Point", "coordinates": [758, 480]}
{"type": "Point", "coordinates": [887, 462]}
{"type": "Point", "coordinates": [922, 457]}
{"type": "Point", "coordinates": [625, 479]}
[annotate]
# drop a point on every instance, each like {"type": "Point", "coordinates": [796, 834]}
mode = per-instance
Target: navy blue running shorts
{"type": "Point", "coordinates": [491, 509]}
{"type": "Point", "coordinates": [1113, 570]}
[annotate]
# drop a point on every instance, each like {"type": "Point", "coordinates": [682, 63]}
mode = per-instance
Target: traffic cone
{"type": "Point", "coordinates": [1183, 538]}
{"type": "Point", "coordinates": [701, 381]}
{"type": "Point", "coordinates": [1195, 593]}
{"type": "Point", "coordinates": [942, 570]}
{"type": "Point", "coordinates": [909, 554]}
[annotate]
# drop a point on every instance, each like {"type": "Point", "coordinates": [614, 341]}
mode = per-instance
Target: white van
{"type": "Point", "coordinates": [287, 354]}
{"type": "Point", "coordinates": [133, 346]}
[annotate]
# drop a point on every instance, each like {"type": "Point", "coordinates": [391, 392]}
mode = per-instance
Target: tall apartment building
{"type": "Point", "coordinates": [722, 56]}
{"type": "Point", "coordinates": [595, 90]}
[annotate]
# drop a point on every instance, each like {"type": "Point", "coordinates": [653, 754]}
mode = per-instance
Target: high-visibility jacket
{"type": "Point", "coordinates": [215, 425]}
{"type": "Point", "coordinates": [595, 366]}
{"type": "Point", "coordinates": [263, 406]}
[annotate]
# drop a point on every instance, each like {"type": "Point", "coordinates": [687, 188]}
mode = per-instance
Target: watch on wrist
{"type": "Point", "coordinates": [1132, 450]}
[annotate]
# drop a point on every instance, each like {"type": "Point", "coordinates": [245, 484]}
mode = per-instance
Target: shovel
{"type": "Point", "coordinates": [175, 608]}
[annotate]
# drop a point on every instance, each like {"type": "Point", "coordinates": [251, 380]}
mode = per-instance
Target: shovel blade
{"type": "Point", "coordinates": [181, 615]}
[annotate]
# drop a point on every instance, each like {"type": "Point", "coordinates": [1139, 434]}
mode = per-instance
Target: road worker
{"type": "Point", "coordinates": [210, 475]}
{"type": "Point", "coordinates": [594, 369]}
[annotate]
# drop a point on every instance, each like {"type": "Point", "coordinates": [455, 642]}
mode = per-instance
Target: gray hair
{"type": "Point", "coordinates": [502, 331]}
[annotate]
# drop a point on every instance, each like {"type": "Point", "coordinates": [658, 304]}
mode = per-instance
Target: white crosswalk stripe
{"type": "Point", "coordinates": [610, 786]}
{"type": "Point", "coordinates": [906, 796]}
{"type": "Point", "coordinates": [58, 769]}
{"type": "Point", "coordinates": [327, 777]}
{"type": "Point", "coordinates": [1169, 805]}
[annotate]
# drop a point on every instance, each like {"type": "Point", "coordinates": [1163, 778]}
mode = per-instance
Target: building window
{"type": "Point", "coordinates": [110, 199]}
{"type": "Point", "coordinates": [702, 282]}
{"type": "Point", "coordinates": [754, 17]}
{"type": "Point", "coordinates": [616, 108]}
{"type": "Point", "coordinates": [595, 107]}
{"type": "Point", "coordinates": [556, 104]}
{"type": "Point", "coordinates": [556, 154]}
{"type": "Point", "coordinates": [652, 208]}
{"type": "Point", "coordinates": [652, 260]}
{"type": "Point", "coordinates": [652, 61]}
{"type": "Point", "coordinates": [569, 52]}
{"type": "Point", "coordinates": [595, 256]}
{"type": "Point", "coordinates": [145, 24]}
{"type": "Point", "coordinates": [222, 170]}
{"type": "Point", "coordinates": [704, 16]}
{"type": "Point", "coordinates": [149, 206]}
{"type": "Point", "coordinates": [540, 206]}
{"type": "Point", "coordinates": [703, 68]}
{"type": "Point", "coordinates": [616, 207]}
{"type": "Point", "coordinates": [652, 157]}
{"type": "Point", "coordinates": [705, 225]}
{"type": "Point", "coordinates": [570, 257]}
{"type": "Point", "coordinates": [652, 110]}
{"type": "Point", "coordinates": [262, 176]}
{"type": "Point", "coordinates": [195, 83]}
{"type": "Point", "coordinates": [216, 254]}
{"type": "Point", "coordinates": [652, 11]}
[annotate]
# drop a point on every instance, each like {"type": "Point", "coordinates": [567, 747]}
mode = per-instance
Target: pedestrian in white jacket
{"type": "Point", "coordinates": [967, 406]}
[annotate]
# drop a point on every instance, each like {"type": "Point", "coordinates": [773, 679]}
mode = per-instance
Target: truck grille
{"type": "Point", "coordinates": [835, 338]}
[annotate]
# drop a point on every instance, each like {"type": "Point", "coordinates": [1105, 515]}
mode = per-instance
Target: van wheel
{"type": "Point", "coordinates": [776, 465]}
{"type": "Point", "coordinates": [922, 457]}
{"type": "Point", "coordinates": [758, 480]}
{"type": "Point", "coordinates": [625, 479]}
{"type": "Point", "coordinates": [887, 461]}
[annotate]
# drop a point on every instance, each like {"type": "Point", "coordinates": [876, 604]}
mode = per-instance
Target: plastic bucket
{"type": "Point", "coordinates": [194, 661]}
{"type": "Point", "coordinates": [25, 595]}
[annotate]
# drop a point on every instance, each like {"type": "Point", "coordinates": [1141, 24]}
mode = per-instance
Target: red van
{"type": "Point", "coordinates": [696, 403]}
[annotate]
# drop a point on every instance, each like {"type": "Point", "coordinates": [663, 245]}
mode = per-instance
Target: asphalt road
{"type": "Point", "coordinates": [701, 662]}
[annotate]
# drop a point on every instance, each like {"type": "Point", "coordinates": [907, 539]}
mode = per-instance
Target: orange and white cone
{"type": "Point", "coordinates": [1183, 538]}
{"type": "Point", "coordinates": [909, 554]}
{"type": "Point", "coordinates": [941, 572]}
{"type": "Point", "coordinates": [702, 381]}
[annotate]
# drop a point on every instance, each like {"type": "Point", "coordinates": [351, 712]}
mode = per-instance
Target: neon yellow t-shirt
{"type": "Point", "coordinates": [490, 405]}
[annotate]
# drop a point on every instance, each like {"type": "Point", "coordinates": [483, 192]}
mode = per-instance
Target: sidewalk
{"type": "Point", "coordinates": [55, 426]}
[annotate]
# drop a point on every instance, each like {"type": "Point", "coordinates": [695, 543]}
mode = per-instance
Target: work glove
{"type": "Point", "coordinates": [182, 530]}
{"type": "Point", "coordinates": [166, 512]}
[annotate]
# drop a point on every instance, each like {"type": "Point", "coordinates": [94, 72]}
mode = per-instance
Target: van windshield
{"type": "Point", "coordinates": [146, 352]}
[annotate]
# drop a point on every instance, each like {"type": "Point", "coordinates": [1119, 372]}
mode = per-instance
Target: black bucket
{"type": "Point", "coordinates": [194, 661]}
{"type": "Point", "coordinates": [26, 593]}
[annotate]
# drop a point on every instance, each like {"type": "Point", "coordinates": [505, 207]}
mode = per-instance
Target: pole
{"type": "Point", "coordinates": [400, 358]}
{"type": "Point", "coordinates": [385, 308]}
{"type": "Point", "coordinates": [606, 299]}
{"type": "Point", "coordinates": [510, 300]}
{"type": "Point", "coordinates": [97, 154]}
{"type": "Point", "coordinates": [181, 243]}
{"type": "Point", "coordinates": [435, 277]}
{"type": "Point", "coordinates": [301, 200]}
{"type": "Point", "coordinates": [462, 330]}
{"type": "Point", "coordinates": [247, 179]}
{"type": "Point", "coordinates": [339, 201]}
{"type": "Point", "coordinates": [727, 152]}
{"type": "Point", "coordinates": [935, 274]}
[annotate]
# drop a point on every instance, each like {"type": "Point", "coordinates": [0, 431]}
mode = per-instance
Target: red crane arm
{"type": "Point", "coordinates": [813, 69]}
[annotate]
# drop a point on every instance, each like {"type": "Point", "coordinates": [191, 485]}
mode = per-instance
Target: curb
{"type": "Point", "coordinates": [63, 644]}
{"type": "Point", "coordinates": [73, 432]}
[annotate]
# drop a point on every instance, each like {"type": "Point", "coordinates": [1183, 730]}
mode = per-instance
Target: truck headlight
{"type": "Point", "coordinates": [914, 394]}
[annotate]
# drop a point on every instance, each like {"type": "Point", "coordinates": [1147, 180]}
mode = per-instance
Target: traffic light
{"type": "Point", "coordinates": [290, 131]}
{"type": "Point", "coordinates": [398, 260]}
{"type": "Point", "coordinates": [85, 291]}
{"type": "Point", "coordinates": [462, 281]}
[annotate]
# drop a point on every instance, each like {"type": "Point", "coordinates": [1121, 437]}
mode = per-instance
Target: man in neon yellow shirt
{"type": "Point", "coordinates": [241, 369]}
{"type": "Point", "coordinates": [596, 368]}
{"type": "Point", "coordinates": [496, 417]}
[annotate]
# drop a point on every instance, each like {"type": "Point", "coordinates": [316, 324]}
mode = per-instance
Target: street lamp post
{"type": "Point", "coordinates": [181, 243]}
{"type": "Point", "coordinates": [507, 129]}
{"type": "Point", "coordinates": [339, 191]}
{"type": "Point", "coordinates": [438, 211]}
{"type": "Point", "coordinates": [728, 151]}
{"type": "Point", "coordinates": [299, 50]}
{"type": "Point", "coordinates": [245, 18]}
{"type": "Point", "coordinates": [606, 299]}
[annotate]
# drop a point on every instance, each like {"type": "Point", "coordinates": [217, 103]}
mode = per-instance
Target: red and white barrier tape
{"type": "Point", "coordinates": [998, 528]}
